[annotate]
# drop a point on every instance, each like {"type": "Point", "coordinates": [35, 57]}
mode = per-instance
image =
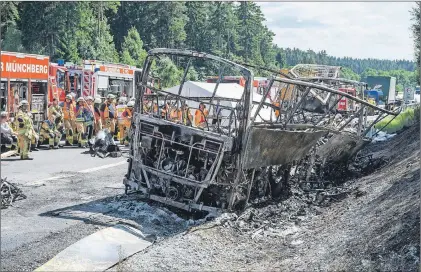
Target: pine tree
{"type": "Point", "coordinates": [132, 49]}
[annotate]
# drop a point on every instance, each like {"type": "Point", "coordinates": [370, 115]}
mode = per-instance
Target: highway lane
{"type": "Point", "coordinates": [55, 179]}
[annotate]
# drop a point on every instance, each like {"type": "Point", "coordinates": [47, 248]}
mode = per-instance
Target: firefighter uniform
{"type": "Point", "coordinates": [108, 114]}
{"type": "Point", "coordinates": [120, 109]}
{"type": "Point", "coordinates": [126, 123]}
{"type": "Point", "coordinates": [75, 136]}
{"type": "Point", "coordinates": [49, 131]}
{"type": "Point", "coordinates": [35, 137]}
{"type": "Point", "coordinates": [24, 125]}
{"type": "Point", "coordinates": [55, 115]}
{"type": "Point", "coordinates": [68, 118]}
{"type": "Point", "coordinates": [97, 114]}
{"type": "Point", "coordinates": [200, 116]}
{"type": "Point", "coordinates": [90, 118]}
{"type": "Point", "coordinates": [165, 110]}
{"type": "Point", "coordinates": [186, 117]}
{"type": "Point", "coordinates": [81, 114]}
{"type": "Point", "coordinates": [175, 115]}
{"type": "Point", "coordinates": [276, 104]}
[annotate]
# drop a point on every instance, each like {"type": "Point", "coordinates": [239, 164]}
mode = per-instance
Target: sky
{"type": "Point", "coordinates": [378, 30]}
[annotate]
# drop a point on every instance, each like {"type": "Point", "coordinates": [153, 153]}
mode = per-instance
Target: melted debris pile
{"type": "Point", "coordinates": [270, 217]}
{"type": "Point", "coordinates": [9, 193]}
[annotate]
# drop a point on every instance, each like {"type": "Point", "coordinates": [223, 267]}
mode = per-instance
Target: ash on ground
{"type": "Point", "coordinates": [370, 222]}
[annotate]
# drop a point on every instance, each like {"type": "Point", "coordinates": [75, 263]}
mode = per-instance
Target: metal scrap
{"type": "Point", "coordinates": [246, 151]}
{"type": "Point", "coordinates": [9, 193]}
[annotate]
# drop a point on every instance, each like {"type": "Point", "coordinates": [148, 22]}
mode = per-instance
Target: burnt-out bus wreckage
{"type": "Point", "coordinates": [249, 148]}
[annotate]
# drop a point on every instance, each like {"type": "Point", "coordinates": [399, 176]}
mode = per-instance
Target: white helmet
{"type": "Point", "coordinates": [89, 98]}
{"type": "Point", "coordinates": [3, 114]}
{"type": "Point", "coordinates": [110, 96]}
{"type": "Point", "coordinates": [80, 99]}
{"type": "Point", "coordinates": [97, 100]}
{"type": "Point", "coordinates": [130, 104]}
{"type": "Point", "coordinates": [69, 96]}
{"type": "Point", "coordinates": [23, 103]}
{"type": "Point", "coordinates": [122, 99]}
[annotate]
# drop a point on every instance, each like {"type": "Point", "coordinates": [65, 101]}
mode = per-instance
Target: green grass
{"type": "Point", "coordinates": [403, 120]}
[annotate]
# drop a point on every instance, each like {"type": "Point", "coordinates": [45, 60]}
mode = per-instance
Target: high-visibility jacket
{"type": "Point", "coordinates": [276, 104]}
{"type": "Point", "coordinates": [164, 111]}
{"type": "Point", "coordinates": [175, 114]}
{"type": "Point", "coordinates": [90, 115]}
{"type": "Point", "coordinates": [120, 109]}
{"type": "Point", "coordinates": [24, 124]}
{"type": "Point", "coordinates": [81, 114]}
{"type": "Point", "coordinates": [187, 117]}
{"type": "Point", "coordinates": [97, 114]}
{"type": "Point", "coordinates": [199, 117]}
{"type": "Point", "coordinates": [127, 114]}
{"type": "Point", "coordinates": [68, 110]}
{"type": "Point", "coordinates": [54, 112]}
{"type": "Point", "coordinates": [155, 108]}
{"type": "Point", "coordinates": [108, 110]}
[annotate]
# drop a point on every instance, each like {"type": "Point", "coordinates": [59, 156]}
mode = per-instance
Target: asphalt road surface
{"type": "Point", "coordinates": [33, 230]}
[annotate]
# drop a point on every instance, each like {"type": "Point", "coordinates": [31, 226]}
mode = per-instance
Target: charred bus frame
{"type": "Point", "coordinates": [217, 168]}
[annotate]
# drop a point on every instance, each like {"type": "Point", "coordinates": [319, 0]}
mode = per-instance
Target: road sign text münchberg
{"type": "Point", "coordinates": [25, 68]}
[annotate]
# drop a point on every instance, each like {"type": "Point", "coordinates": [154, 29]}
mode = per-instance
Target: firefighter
{"type": "Point", "coordinates": [55, 115]}
{"type": "Point", "coordinates": [75, 136]}
{"type": "Point", "coordinates": [200, 116]}
{"type": "Point", "coordinates": [155, 109]}
{"type": "Point", "coordinates": [49, 131]}
{"type": "Point", "coordinates": [121, 107]}
{"type": "Point", "coordinates": [24, 125]}
{"type": "Point", "coordinates": [165, 109]}
{"type": "Point", "coordinates": [35, 137]}
{"type": "Point", "coordinates": [175, 115]}
{"type": "Point", "coordinates": [81, 115]}
{"type": "Point", "coordinates": [90, 120]}
{"type": "Point", "coordinates": [276, 104]}
{"type": "Point", "coordinates": [108, 114]}
{"type": "Point", "coordinates": [127, 121]}
{"type": "Point", "coordinates": [147, 106]}
{"type": "Point", "coordinates": [8, 136]}
{"type": "Point", "coordinates": [68, 110]}
{"type": "Point", "coordinates": [186, 116]}
{"type": "Point", "coordinates": [98, 122]}
{"type": "Point", "coordinates": [55, 111]}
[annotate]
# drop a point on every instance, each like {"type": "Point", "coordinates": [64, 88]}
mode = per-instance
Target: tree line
{"type": "Point", "coordinates": [124, 31]}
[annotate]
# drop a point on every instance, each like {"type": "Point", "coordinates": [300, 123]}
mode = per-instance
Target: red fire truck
{"type": "Point", "coordinates": [33, 78]}
{"type": "Point", "coordinates": [345, 104]}
{"type": "Point", "coordinates": [99, 78]}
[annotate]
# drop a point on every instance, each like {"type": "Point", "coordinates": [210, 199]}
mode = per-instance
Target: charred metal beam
{"type": "Point", "coordinates": [183, 80]}
{"type": "Point", "coordinates": [297, 106]}
{"type": "Point", "coordinates": [372, 124]}
{"type": "Point", "coordinates": [327, 89]}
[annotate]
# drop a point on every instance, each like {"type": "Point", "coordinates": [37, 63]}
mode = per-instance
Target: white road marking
{"type": "Point", "coordinates": [102, 167]}
{"type": "Point", "coordinates": [41, 181]}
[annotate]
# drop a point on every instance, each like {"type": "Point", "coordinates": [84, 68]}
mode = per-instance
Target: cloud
{"type": "Point", "coordinates": [354, 29]}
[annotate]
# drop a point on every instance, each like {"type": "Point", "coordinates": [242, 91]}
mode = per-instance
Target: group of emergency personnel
{"type": "Point", "coordinates": [180, 115]}
{"type": "Point", "coordinates": [79, 119]}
